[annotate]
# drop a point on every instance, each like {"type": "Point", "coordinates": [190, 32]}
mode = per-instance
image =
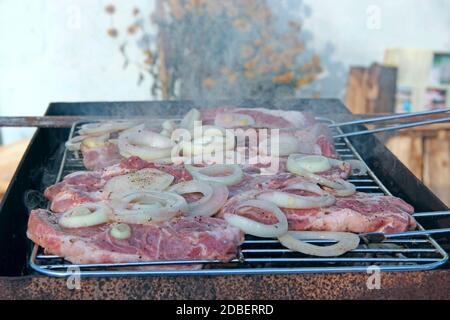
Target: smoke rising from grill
{"type": "Point", "coordinates": [44, 177]}
{"type": "Point", "coordinates": [213, 50]}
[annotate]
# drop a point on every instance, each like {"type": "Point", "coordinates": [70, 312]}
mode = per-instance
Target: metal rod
{"type": "Point", "coordinates": [390, 117]}
{"type": "Point", "coordinates": [67, 121]}
{"type": "Point", "coordinates": [417, 233]}
{"type": "Point", "coordinates": [431, 214]}
{"type": "Point", "coordinates": [392, 128]}
{"type": "Point", "coordinates": [377, 237]}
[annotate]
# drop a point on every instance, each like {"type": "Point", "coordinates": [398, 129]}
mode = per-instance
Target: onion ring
{"type": "Point", "coordinates": [315, 163]}
{"type": "Point", "coordinates": [207, 145]}
{"type": "Point", "coordinates": [120, 231]}
{"type": "Point", "coordinates": [255, 228]}
{"type": "Point", "coordinates": [189, 119]}
{"type": "Point", "coordinates": [345, 242]}
{"type": "Point", "coordinates": [85, 215]}
{"type": "Point", "coordinates": [95, 141]}
{"type": "Point", "coordinates": [106, 127]}
{"type": "Point", "coordinates": [168, 127]}
{"type": "Point", "coordinates": [74, 144]}
{"type": "Point", "coordinates": [147, 179]}
{"type": "Point", "coordinates": [145, 144]}
{"type": "Point", "coordinates": [294, 201]}
{"type": "Point", "coordinates": [346, 188]}
{"type": "Point", "coordinates": [211, 173]}
{"type": "Point", "coordinates": [342, 188]}
{"type": "Point", "coordinates": [207, 140]}
{"type": "Point", "coordinates": [214, 196]}
{"type": "Point", "coordinates": [148, 207]}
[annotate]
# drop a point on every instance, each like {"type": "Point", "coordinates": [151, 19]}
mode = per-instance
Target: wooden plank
{"type": "Point", "coordinates": [9, 160]}
{"type": "Point", "coordinates": [356, 90]}
{"type": "Point", "coordinates": [371, 90]}
{"type": "Point", "coordinates": [385, 90]}
{"type": "Point", "coordinates": [409, 150]}
{"type": "Point", "coordinates": [437, 165]}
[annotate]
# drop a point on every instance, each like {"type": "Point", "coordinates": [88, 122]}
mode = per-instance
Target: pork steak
{"type": "Point", "coordinates": [359, 213]}
{"type": "Point", "coordinates": [198, 238]}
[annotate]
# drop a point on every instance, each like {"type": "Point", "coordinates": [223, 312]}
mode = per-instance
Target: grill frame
{"type": "Point", "coordinates": [39, 165]}
{"type": "Point", "coordinates": [57, 270]}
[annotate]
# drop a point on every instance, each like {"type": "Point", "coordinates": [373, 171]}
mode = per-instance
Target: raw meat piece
{"type": "Point", "coordinates": [199, 238]}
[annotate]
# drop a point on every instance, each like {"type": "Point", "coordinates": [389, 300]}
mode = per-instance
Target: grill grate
{"type": "Point", "coordinates": [265, 256]}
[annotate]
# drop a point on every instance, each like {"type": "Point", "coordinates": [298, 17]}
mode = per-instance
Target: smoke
{"type": "Point", "coordinates": [43, 176]}
{"type": "Point", "coordinates": [211, 50]}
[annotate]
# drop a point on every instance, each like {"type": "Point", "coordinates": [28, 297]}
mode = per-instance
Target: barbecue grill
{"type": "Point", "coordinates": [46, 161]}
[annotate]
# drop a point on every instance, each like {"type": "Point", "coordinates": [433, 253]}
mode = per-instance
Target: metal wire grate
{"type": "Point", "coordinates": [266, 256]}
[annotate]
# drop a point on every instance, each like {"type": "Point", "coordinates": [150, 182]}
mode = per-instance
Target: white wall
{"type": "Point", "coordinates": [57, 50]}
{"type": "Point", "coordinates": [403, 23]}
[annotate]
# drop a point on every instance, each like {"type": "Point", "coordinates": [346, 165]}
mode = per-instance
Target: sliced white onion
{"type": "Point", "coordinates": [221, 173]}
{"type": "Point", "coordinates": [106, 127]}
{"type": "Point", "coordinates": [168, 127]}
{"type": "Point", "coordinates": [95, 141]}
{"type": "Point", "coordinates": [345, 188]}
{"type": "Point", "coordinates": [255, 228]}
{"type": "Point", "coordinates": [74, 144]}
{"type": "Point", "coordinates": [145, 144]}
{"type": "Point", "coordinates": [85, 215]}
{"type": "Point", "coordinates": [285, 145]}
{"type": "Point", "coordinates": [214, 196]}
{"type": "Point", "coordinates": [342, 188]}
{"type": "Point", "coordinates": [345, 242]}
{"type": "Point", "coordinates": [232, 120]}
{"type": "Point", "coordinates": [207, 145]}
{"type": "Point", "coordinates": [311, 163]}
{"type": "Point", "coordinates": [306, 186]}
{"type": "Point", "coordinates": [314, 163]}
{"type": "Point", "coordinates": [189, 119]}
{"type": "Point", "coordinates": [147, 207]}
{"type": "Point", "coordinates": [148, 179]}
{"type": "Point", "coordinates": [120, 231]}
{"type": "Point", "coordinates": [207, 140]}
{"type": "Point", "coordinates": [293, 201]}
{"type": "Point", "coordinates": [166, 133]}
{"type": "Point", "coordinates": [136, 128]}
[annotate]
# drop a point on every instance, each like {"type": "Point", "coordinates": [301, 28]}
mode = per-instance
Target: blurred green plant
{"type": "Point", "coordinates": [199, 49]}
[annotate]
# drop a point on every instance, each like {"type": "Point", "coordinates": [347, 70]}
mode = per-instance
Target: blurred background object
{"type": "Point", "coordinates": [423, 78]}
{"type": "Point", "coordinates": [217, 49]}
{"type": "Point", "coordinates": [372, 90]}
{"type": "Point", "coordinates": [377, 55]}
{"type": "Point", "coordinates": [10, 156]}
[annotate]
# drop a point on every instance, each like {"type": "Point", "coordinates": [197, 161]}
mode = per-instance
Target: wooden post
{"type": "Point", "coordinates": [371, 90]}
